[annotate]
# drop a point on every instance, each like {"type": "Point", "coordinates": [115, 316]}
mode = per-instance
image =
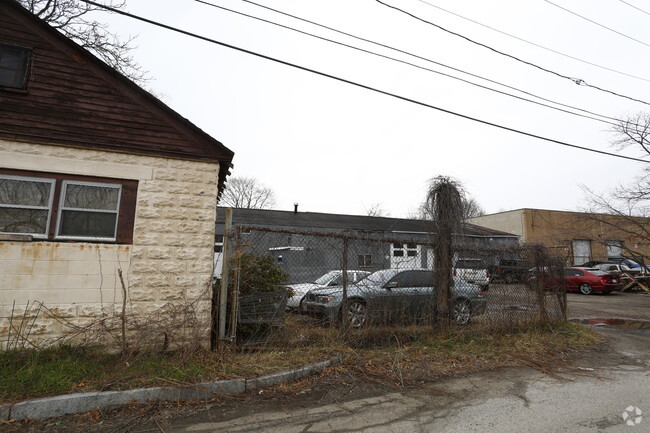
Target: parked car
{"type": "Point", "coordinates": [510, 271]}
{"type": "Point", "coordinates": [630, 264]}
{"type": "Point", "coordinates": [399, 294]}
{"type": "Point", "coordinates": [583, 280]}
{"type": "Point", "coordinates": [617, 268]}
{"type": "Point", "coordinates": [474, 271]}
{"type": "Point", "coordinates": [330, 279]}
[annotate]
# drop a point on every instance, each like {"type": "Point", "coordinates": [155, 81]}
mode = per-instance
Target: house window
{"type": "Point", "coordinates": [14, 64]}
{"type": "Point", "coordinates": [88, 210]}
{"type": "Point", "coordinates": [62, 207]}
{"type": "Point", "coordinates": [364, 260]}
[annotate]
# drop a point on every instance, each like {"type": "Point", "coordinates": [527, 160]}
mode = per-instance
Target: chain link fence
{"type": "Point", "coordinates": [284, 285]}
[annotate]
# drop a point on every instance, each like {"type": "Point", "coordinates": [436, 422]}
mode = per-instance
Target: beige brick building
{"type": "Point", "coordinates": [580, 237]}
{"type": "Point", "coordinates": [97, 177]}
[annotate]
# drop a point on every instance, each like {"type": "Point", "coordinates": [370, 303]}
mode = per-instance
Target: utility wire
{"type": "Point", "coordinates": [634, 7]}
{"type": "Point", "coordinates": [421, 58]}
{"type": "Point", "coordinates": [578, 81]}
{"type": "Point", "coordinates": [533, 43]}
{"type": "Point", "coordinates": [612, 121]}
{"type": "Point", "coordinates": [597, 23]}
{"type": "Point", "coordinates": [356, 84]}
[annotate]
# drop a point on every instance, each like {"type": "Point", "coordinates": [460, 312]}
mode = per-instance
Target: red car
{"type": "Point", "coordinates": [583, 280]}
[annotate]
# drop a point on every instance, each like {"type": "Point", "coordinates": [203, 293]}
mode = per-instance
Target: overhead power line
{"type": "Point", "coordinates": [600, 117]}
{"type": "Point", "coordinates": [634, 7]}
{"type": "Point", "coordinates": [551, 50]}
{"type": "Point", "coordinates": [359, 85]}
{"type": "Point", "coordinates": [578, 81]}
{"type": "Point", "coordinates": [597, 23]}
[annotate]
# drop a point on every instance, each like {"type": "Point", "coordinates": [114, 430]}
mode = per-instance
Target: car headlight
{"type": "Point", "coordinates": [324, 299]}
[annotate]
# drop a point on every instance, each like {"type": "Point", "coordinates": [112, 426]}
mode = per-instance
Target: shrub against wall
{"type": "Point", "coordinates": [259, 274]}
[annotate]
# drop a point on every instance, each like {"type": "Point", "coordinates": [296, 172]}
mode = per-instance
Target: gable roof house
{"type": "Point", "coordinates": [97, 177]}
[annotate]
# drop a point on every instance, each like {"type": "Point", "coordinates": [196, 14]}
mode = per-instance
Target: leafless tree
{"type": "Point", "coordinates": [248, 193]}
{"type": "Point", "coordinates": [634, 132]}
{"type": "Point", "coordinates": [377, 210]}
{"type": "Point", "coordinates": [471, 207]}
{"type": "Point", "coordinates": [72, 18]}
{"type": "Point", "coordinates": [445, 202]}
{"type": "Point", "coordinates": [630, 203]}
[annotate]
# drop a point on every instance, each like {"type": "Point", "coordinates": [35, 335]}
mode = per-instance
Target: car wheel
{"type": "Point", "coordinates": [586, 289]}
{"type": "Point", "coordinates": [357, 313]}
{"type": "Point", "coordinates": [462, 312]}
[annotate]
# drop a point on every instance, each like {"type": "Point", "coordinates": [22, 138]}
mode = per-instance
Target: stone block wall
{"type": "Point", "coordinates": [170, 260]}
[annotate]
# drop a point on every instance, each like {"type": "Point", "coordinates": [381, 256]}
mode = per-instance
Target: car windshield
{"type": "Point", "coordinates": [325, 279]}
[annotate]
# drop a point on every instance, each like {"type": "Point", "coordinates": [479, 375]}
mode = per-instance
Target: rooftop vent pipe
{"type": "Point", "coordinates": [295, 208]}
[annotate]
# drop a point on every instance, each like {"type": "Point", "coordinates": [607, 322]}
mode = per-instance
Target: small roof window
{"type": "Point", "coordinates": [14, 64]}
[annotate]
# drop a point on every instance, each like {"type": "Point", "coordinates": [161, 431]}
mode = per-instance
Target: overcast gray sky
{"type": "Point", "coordinates": [333, 147]}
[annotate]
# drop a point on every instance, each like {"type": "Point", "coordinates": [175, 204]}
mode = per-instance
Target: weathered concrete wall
{"type": "Point", "coordinates": [170, 259]}
{"type": "Point", "coordinates": [509, 222]}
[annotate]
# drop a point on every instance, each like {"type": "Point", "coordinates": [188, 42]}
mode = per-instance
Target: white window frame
{"type": "Point", "coordinates": [62, 209]}
{"type": "Point", "coordinates": [52, 183]}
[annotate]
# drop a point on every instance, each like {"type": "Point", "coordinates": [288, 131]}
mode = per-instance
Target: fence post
{"type": "Point", "coordinates": [225, 275]}
{"type": "Point", "coordinates": [234, 302]}
{"type": "Point", "coordinates": [344, 269]}
{"type": "Point", "coordinates": [543, 270]}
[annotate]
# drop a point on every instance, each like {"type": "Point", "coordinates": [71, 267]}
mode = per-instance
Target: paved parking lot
{"type": "Point", "coordinates": [614, 305]}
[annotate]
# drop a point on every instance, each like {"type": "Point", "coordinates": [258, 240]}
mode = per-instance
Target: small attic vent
{"type": "Point", "coordinates": [14, 64]}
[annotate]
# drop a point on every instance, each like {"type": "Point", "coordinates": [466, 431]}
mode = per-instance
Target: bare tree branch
{"type": "Point", "coordinates": [630, 203]}
{"type": "Point", "coordinates": [377, 210]}
{"type": "Point", "coordinates": [248, 193]}
{"type": "Point", "coordinates": [70, 17]}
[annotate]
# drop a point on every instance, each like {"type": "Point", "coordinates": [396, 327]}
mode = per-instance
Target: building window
{"type": "Point", "coordinates": [408, 250]}
{"type": "Point", "coordinates": [218, 244]}
{"type": "Point", "coordinates": [62, 207]}
{"type": "Point", "coordinates": [581, 251]}
{"type": "Point", "coordinates": [614, 249]}
{"type": "Point", "coordinates": [88, 210]}
{"type": "Point", "coordinates": [14, 64]}
{"type": "Point", "coordinates": [25, 205]}
{"type": "Point", "coordinates": [364, 260]}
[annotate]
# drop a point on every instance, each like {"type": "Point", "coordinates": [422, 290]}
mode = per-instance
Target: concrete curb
{"type": "Point", "coordinates": [47, 407]}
